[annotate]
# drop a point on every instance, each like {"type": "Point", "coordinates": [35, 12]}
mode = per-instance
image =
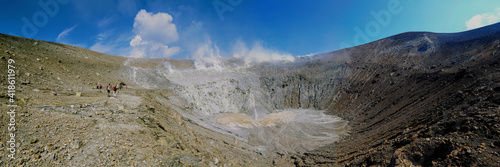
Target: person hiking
{"type": "Point", "coordinates": [108, 88]}
{"type": "Point", "coordinates": [114, 90]}
{"type": "Point", "coordinates": [100, 88]}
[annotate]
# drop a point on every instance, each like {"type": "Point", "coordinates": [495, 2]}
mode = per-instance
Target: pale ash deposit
{"type": "Point", "coordinates": [237, 100]}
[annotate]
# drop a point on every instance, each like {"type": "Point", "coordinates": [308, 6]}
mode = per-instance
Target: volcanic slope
{"type": "Point", "coordinates": [419, 98]}
{"type": "Point", "coordinates": [416, 98]}
{"type": "Point", "coordinates": [62, 119]}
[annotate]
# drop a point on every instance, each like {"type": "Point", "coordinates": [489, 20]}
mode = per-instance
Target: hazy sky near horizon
{"type": "Point", "coordinates": [205, 28]}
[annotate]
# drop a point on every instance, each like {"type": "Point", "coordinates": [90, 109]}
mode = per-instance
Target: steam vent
{"type": "Point", "coordinates": [413, 99]}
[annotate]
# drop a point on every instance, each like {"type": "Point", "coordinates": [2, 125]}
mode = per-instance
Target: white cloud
{"type": "Point", "coordinates": [259, 54]}
{"type": "Point", "coordinates": [157, 27]}
{"type": "Point", "coordinates": [137, 41]}
{"type": "Point", "coordinates": [207, 56]}
{"type": "Point", "coordinates": [153, 33]}
{"type": "Point", "coordinates": [141, 48]}
{"type": "Point", "coordinates": [111, 43]}
{"type": "Point", "coordinates": [110, 47]}
{"type": "Point", "coordinates": [60, 37]}
{"type": "Point", "coordinates": [100, 47]}
{"type": "Point", "coordinates": [482, 20]}
{"type": "Point", "coordinates": [104, 35]}
{"type": "Point", "coordinates": [105, 21]}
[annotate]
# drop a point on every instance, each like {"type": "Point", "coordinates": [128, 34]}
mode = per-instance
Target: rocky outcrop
{"type": "Point", "coordinates": [308, 88]}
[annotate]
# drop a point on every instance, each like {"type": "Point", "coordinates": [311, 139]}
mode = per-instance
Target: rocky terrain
{"type": "Point", "coordinates": [137, 127]}
{"type": "Point", "coordinates": [413, 99]}
{"type": "Point", "coordinates": [419, 99]}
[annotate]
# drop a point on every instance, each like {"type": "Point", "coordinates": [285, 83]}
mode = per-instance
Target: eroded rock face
{"type": "Point", "coordinates": [245, 102]}
{"type": "Point", "coordinates": [405, 99]}
{"type": "Point", "coordinates": [302, 87]}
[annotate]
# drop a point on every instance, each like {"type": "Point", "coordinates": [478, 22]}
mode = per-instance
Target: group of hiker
{"type": "Point", "coordinates": [110, 87]}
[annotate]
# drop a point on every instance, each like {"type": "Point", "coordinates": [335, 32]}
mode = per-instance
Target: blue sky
{"type": "Point", "coordinates": [194, 28]}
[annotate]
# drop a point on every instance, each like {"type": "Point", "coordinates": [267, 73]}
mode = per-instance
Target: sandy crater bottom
{"type": "Point", "coordinates": [239, 120]}
{"type": "Point", "coordinates": [289, 131]}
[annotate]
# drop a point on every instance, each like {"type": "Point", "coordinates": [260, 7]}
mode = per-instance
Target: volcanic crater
{"type": "Point", "coordinates": [417, 98]}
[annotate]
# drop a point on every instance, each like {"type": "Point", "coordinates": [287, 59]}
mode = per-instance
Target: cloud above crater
{"type": "Point", "coordinates": [482, 20]}
{"type": "Point", "coordinates": [258, 54]}
{"type": "Point", "coordinates": [153, 34]}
